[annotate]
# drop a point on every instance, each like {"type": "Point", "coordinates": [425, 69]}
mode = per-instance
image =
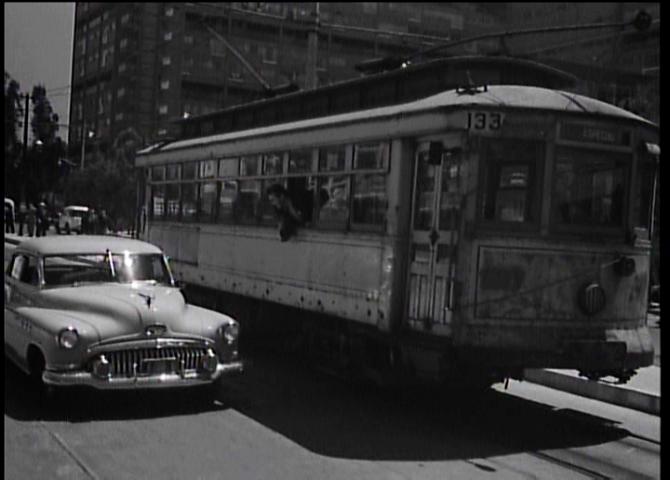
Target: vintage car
{"type": "Point", "coordinates": [71, 219]}
{"type": "Point", "coordinates": [106, 312]}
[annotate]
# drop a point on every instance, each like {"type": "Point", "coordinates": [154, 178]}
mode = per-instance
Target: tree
{"type": "Point", "coordinates": [44, 122]}
{"type": "Point", "coordinates": [13, 113]}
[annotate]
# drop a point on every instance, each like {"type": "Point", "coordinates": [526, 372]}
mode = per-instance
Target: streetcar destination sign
{"type": "Point", "coordinates": [579, 132]}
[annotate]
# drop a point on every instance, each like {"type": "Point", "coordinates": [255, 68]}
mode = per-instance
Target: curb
{"type": "Point", "coordinates": [622, 396]}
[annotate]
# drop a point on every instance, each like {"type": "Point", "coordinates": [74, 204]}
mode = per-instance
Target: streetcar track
{"type": "Point", "coordinates": [71, 453]}
{"type": "Point", "coordinates": [570, 466]}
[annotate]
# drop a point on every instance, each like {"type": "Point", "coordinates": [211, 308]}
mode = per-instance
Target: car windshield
{"type": "Point", "coordinates": [61, 270]}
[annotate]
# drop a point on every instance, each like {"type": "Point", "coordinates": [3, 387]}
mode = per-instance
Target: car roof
{"type": "Point", "coordinates": [80, 244]}
{"type": "Point", "coordinates": [75, 207]}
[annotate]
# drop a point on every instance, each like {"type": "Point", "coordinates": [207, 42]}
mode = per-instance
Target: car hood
{"type": "Point", "coordinates": [119, 310]}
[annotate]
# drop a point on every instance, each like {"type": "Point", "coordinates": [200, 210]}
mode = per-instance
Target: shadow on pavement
{"type": "Point", "coordinates": [337, 418]}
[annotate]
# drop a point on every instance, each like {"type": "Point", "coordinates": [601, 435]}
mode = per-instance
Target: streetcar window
{"type": "Point", "coordinates": [189, 206]}
{"type": "Point", "coordinates": [158, 174]}
{"type": "Point", "coordinates": [247, 207]}
{"type": "Point", "coordinates": [173, 172]}
{"type": "Point", "coordinates": [370, 202]}
{"type": "Point", "coordinates": [509, 177]}
{"type": "Point", "coordinates": [250, 165]}
{"type": "Point", "coordinates": [333, 202]}
{"type": "Point", "coordinates": [332, 159]}
{"type": "Point", "coordinates": [301, 191]}
{"type": "Point", "coordinates": [589, 188]}
{"type": "Point", "coordinates": [300, 161]}
{"type": "Point", "coordinates": [273, 164]}
{"type": "Point", "coordinates": [266, 212]}
{"type": "Point", "coordinates": [189, 171]}
{"type": "Point", "coordinates": [228, 201]}
{"type": "Point", "coordinates": [207, 201]}
{"type": "Point", "coordinates": [172, 200]}
{"type": "Point", "coordinates": [229, 167]}
{"type": "Point", "coordinates": [372, 156]}
{"type": "Point", "coordinates": [207, 169]}
{"type": "Point", "coordinates": [158, 201]}
{"type": "Point", "coordinates": [645, 192]}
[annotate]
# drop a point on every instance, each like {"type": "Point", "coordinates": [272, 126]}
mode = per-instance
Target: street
{"type": "Point", "coordinates": [281, 419]}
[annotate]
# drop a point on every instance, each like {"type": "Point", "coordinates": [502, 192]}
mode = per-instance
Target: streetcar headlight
{"type": "Point", "coordinates": [68, 338]}
{"type": "Point", "coordinates": [231, 331]}
{"type": "Point", "coordinates": [592, 298]}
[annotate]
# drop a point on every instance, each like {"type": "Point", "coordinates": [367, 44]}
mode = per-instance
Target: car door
{"type": "Point", "coordinates": [21, 285]}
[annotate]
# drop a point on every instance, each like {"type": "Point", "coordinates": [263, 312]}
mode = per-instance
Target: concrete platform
{"type": "Point", "coordinates": [642, 392]}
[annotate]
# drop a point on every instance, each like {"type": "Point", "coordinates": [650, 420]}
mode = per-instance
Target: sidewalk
{"type": "Point", "coordinates": [642, 392]}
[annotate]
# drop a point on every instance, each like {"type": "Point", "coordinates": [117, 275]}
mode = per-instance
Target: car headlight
{"type": "Point", "coordinates": [230, 332]}
{"type": "Point", "coordinates": [68, 338]}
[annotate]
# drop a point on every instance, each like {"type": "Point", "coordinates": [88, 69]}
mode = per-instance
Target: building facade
{"type": "Point", "coordinates": [138, 67]}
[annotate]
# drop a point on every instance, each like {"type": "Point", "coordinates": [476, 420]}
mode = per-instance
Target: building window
{"type": "Point", "coordinates": [169, 12]}
{"type": "Point", "coordinates": [168, 36]}
{"type": "Point", "coordinates": [163, 109]}
{"type": "Point", "coordinates": [118, 117]}
{"type": "Point", "coordinates": [162, 132]}
{"type": "Point", "coordinates": [165, 84]}
{"type": "Point", "coordinates": [120, 92]}
{"type": "Point", "coordinates": [125, 18]}
{"type": "Point", "coordinates": [122, 67]}
{"type": "Point", "coordinates": [188, 39]}
{"type": "Point", "coordinates": [166, 61]}
{"type": "Point", "coordinates": [123, 43]}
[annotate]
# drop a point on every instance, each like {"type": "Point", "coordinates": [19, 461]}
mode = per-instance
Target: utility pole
{"type": "Point", "coordinates": [27, 171]}
{"type": "Point", "coordinates": [83, 143]}
{"type": "Point", "coordinates": [311, 77]}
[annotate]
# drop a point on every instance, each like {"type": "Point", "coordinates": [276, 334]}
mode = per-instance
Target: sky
{"type": "Point", "coordinates": [38, 50]}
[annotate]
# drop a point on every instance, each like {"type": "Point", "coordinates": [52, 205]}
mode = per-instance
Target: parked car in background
{"type": "Point", "coordinates": [106, 312]}
{"type": "Point", "coordinates": [71, 219]}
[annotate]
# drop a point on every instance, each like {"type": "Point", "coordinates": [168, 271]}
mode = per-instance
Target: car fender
{"type": "Point", "coordinates": [44, 326]}
{"type": "Point", "coordinates": [209, 320]}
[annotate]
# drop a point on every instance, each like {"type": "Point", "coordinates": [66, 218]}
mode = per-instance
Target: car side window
{"type": "Point", "coordinates": [25, 269]}
{"type": "Point", "coordinates": [17, 266]}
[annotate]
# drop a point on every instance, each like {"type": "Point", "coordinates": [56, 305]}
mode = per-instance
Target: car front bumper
{"type": "Point", "coordinates": [164, 380]}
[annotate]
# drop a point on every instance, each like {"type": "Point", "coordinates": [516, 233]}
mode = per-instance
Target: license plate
{"type": "Point", "coordinates": [159, 366]}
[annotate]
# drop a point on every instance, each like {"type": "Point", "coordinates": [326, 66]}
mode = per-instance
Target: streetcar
{"type": "Point", "coordinates": [458, 238]}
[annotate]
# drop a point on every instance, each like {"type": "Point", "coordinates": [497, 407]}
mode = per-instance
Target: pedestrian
{"type": "Point", "coordinates": [93, 222]}
{"type": "Point", "coordinates": [31, 218]}
{"type": "Point", "coordinates": [103, 221]}
{"type": "Point", "coordinates": [84, 230]}
{"type": "Point", "coordinates": [289, 217]}
{"type": "Point", "coordinates": [40, 220]}
{"type": "Point", "coordinates": [21, 217]}
{"type": "Point", "coordinates": [9, 219]}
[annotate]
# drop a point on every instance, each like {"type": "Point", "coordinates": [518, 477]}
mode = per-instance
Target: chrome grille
{"type": "Point", "coordinates": [124, 362]}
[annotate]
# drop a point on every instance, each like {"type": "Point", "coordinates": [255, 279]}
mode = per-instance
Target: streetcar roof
{"type": "Point", "coordinates": [506, 96]}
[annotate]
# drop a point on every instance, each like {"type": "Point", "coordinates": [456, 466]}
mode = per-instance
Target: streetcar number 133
{"type": "Point", "coordinates": [484, 120]}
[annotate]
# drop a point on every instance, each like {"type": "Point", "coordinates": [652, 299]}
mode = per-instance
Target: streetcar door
{"type": "Point", "coordinates": [434, 237]}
